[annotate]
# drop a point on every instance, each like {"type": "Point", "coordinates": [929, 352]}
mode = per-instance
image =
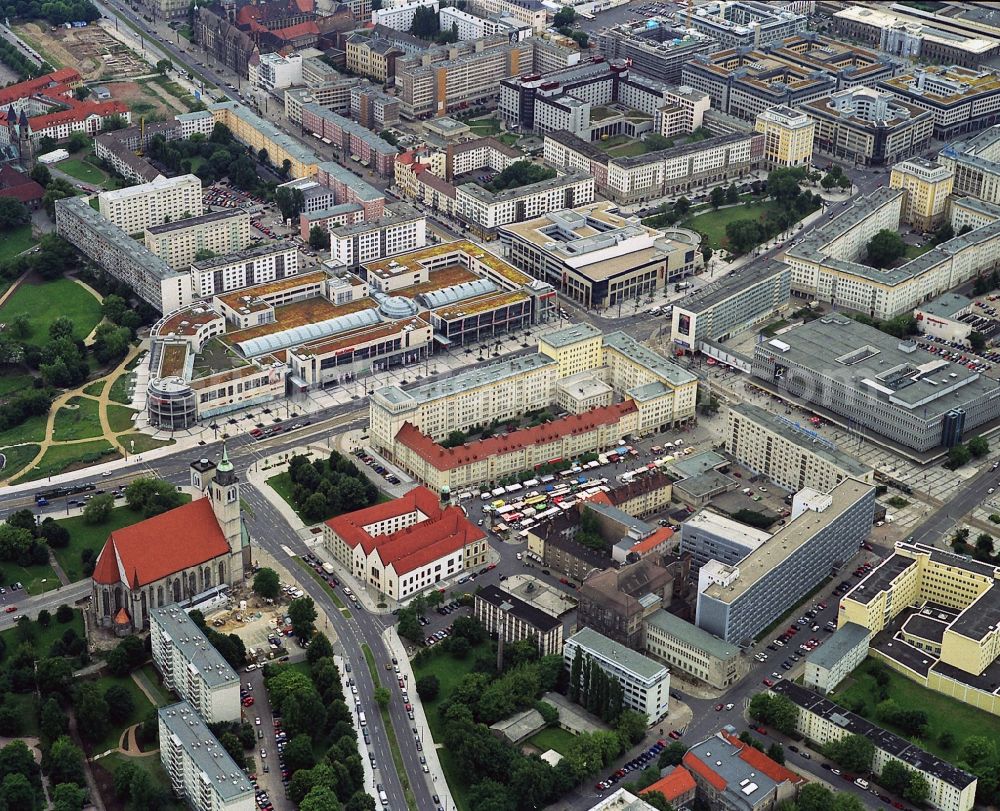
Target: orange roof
{"type": "Point", "coordinates": [662, 535]}
{"type": "Point", "coordinates": [443, 532]}
{"type": "Point", "coordinates": [710, 775]}
{"type": "Point", "coordinates": [599, 497]}
{"type": "Point", "coordinates": [77, 112]}
{"type": "Point", "coordinates": [761, 762]}
{"type": "Point", "coordinates": [122, 618]}
{"type": "Point", "coordinates": [143, 553]}
{"type": "Point", "coordinates": [442, 458]}
{"type": "Point", "coordinates": [294, 31]}
{"type": "Point", "coordinates": [22, 90]}
{"type": "Point", "coordinates": [676, 784]}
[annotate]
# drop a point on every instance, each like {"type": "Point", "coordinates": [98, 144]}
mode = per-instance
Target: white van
{"type": "Point", "coordinates": [362, 720]}
{"type": "Point", "coordinates": [382, 798]}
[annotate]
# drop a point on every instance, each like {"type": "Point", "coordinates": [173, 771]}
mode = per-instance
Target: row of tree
{"type": "Point", "coordinates": [220, 153]}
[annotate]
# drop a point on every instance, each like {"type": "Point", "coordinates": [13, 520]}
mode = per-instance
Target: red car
{"type": "Point", "coordinates": [718, 707]}
{"type": "Point", "coordinates": [248, 701]}
{"type": "Point", "coordinates": [675, 734]}
{"type": "Point", "coordinates": [768, 683]}
{"type": "Point", "coordinates": [761, 730]}
{"type": "Point", "coordinates": [11, 609]}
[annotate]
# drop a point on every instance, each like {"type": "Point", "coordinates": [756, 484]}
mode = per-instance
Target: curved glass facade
{"type": "Point", "coordinates": [171, 403]}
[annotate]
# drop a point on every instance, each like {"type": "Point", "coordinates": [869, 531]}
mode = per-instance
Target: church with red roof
{"type": "Point", "coordinates": [406, 545]}
{"type": "Point", "coordinates": [176, 556]}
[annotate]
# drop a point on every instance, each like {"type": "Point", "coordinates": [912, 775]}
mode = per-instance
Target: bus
{"type": "Point", "coordinates": [59, 492]}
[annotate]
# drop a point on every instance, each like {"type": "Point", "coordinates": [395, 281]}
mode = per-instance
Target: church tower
{"type": "Point", "coordinates": [224, 491]}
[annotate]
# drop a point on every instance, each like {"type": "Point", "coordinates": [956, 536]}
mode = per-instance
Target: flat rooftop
{"type": "Point", "coordinates": [204, 219]}
{"type": "Point", "coordinates": [838, 645]}
{"type": "Point", "coordinates": [731, 285]}
{"type": "Point", "coordinates": [212, 761]}
{"type": "Point", "coordinates": [925, 627]}
{"type": "Point", "coordinates": [710, 521]}
{"type": "Point", "coordinates": [980, 618]}
{"type": "Point", "coordinates": [415, 260]}
{"type": "Point", "coordinates": [651, 361]}
{"type": "Point", "coordinates": [297, 314]}
{"type": "Point", "coordinates": [189, 639]}
{"type": "Point", "coordinates": [508, 195]}
{"type": "Point", "coordinates": [625, 658]}
{"type": "Point", "coordinates": [160, 183]}
{"type": "Point", "coordinates": [567, 336]}
{"type": "Point", "coordinates": [788, 540]}
{"type": "Point", "coordinates": [947, 306]}
{"type": "Point", "coordinates": [787, 431]}
{"type": "Point", "coordinates": [692, 635]}
{"type": "Point", "coordinates": [879, 579]}
{"type": "Point", "coordinates": [238, 298]}
{"type": "Point", "coordinates": [535, 617]}
{"type": "Point", "coordinates": [248, 255]}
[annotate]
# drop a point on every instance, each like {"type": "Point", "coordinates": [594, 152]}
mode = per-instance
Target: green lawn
{"type": "Point", "coordinates": [629, 150]}
{"type": "Point", "coordinates": [94, 389]}
{"type": "Point", "coordinates": [155, 684]}
{"type": "Point", "coordinates": [80, 422]}
{"type": "Point", "coordinates": [509, 138]}
{"type": "Point", "coordinates": [943, 713]}
{"type": "Point", "coordinates": [143, 442]}
{"type": "Point", "coordinates": [36, 300]}
{"type": "Point", "coordinates": [372, 667]}
{"type": "Point", "coordinates": [94, 203]}
{"type": "Point", "coordinates": [81, 170]}
{"type": "Point", "coordinates": [16, 241]}
{"type": "Point", "coordinates": [36, 579]}
{"type": "Point", "coordinates": [14, 384]}
{"type": "Point", "coordinates": [713, 223]}
{"type": "Point", "coordinates": [120, 417]}
{"type": "Point", "coordinates": [552, 738]}
{"type": "Point", "coordinates": [31, 430]}
{"type": "Point", "coordinates": [140, 710]}
{"type": "Point", "coordinates": [484, 126]}
{"type": "Point", "coordinates": [913, 251]}
{"type": "Point", "coordinates": [282, 485]}
{"type": "Point", "coordinates": [46, 636]}
{"type": "Point", "coordinates": [59, 458]}
{"type": "Point", "coordinates": [150, 763]}
{"type": "Point", "coordinates": [92, 536]}
{"type": "Point", "coordinates": [16, 457]}
{"type": "Point", "coordinates": [119, 389]}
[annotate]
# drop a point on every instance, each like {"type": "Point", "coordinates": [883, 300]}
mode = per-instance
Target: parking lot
{"type": "Point", "coordinates": [267, 772]}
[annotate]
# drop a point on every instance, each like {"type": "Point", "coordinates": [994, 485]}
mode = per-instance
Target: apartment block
{"type": "Point", "coordinates": [191, 666]}
{"type": "Point", "coordinates": [934, 38]}
{"type": "Point", "coordinates": [788, 137]}
{"type": "Point", "coordinates": [402, 228]}
{"type": "Point", "coordinates": [334, 95]}
{"type": "Point", "coordinates": [256, 133]}
{"type": "Point", "coordinates": [351, 139]}
{"type": "Point", "coordinates": [596, 257]}
{"type": "Point", "coordinates": [869, 127]}
{"type": "Point", "coordinates": [928, 186]}
{"type": "Point", "coordinates": [470, 27]}
{"type": "Point", "coordinates": [657, 51]}
{"type": "Point", "coordinates": [273, 71]}
{"type": "Point", "coordinates": [790, 454]}
{"type": "Point", "coordinates": [683, 113]}
{"type": "Point", "coordinates": [831, 663]}
{"type": "Point", "coordinates": [201, 771]}
{"type": "Point", "coordinates": [708, 535]}
{"type": "Point", "coordinates": [975, 165]}
{"type": "Point", "coordinates": [136, 208]}
{"type": "Point", "coordinates": [400, 16]}
{"type": "Point", "coordinates": [645, 683]}
{"type": "Point", "coordinates": [269, 262]}
{"type": "Point", "coordinates": [746, 24]}
{"type": "Point", "coordinates": [685, 647]}
{"type": "Point", "coordinates": [662, 173]}
{"type": "Point", "coordinates": [372, 57]}
{"type": "Point", "coordinates": [507, 616]}
{"type": "Point", "coordinates": [179, 242]}
{"type": "Point", "coordinates": [447, 77]}
{"type": "Point", "coordinates": [726, 307]}
{"type": "Point", "coordinates": [960, 99]}
{"type": "Point", "coordinates": [108, 246]}
{"type": "Point", "coordinates": [822, 721]}
{"type": "Point", "coordinates": [372, 108]}
{"type": "Point", "coordinates": [824, 531]}
{"type": "Point", "coordinates": [527, 12]}
{"type": "Point", "coordinates": [788, 73]}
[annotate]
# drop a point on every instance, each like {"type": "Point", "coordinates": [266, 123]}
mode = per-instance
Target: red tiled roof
{"type": "Point", "coordinates": [186, 536]}
{"type": "Point", "coordinates": [22, 90]}
{"type": "Point", "coordinates": [442, 458]}
{"type": "Point", "coordinates": [295, 31]}
{"type": "Point", "coordinates": [443, 532]}
{"type": "Point", "coordinates": [710, 775]}
{"type": "Point", "coordinates": [78, 112]}
{"type": "Point", "coordinates": [761, 762]}
{"type": "Point", "coordinates": [676, 784]}
{"type": "Point", "coordinates": [662, 535]}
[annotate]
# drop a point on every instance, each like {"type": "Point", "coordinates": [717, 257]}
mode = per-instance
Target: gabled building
{"type": "Point", "coordinates": [176, 556]}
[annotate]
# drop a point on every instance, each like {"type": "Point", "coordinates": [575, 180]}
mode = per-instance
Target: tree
{"type": "Point", "coordinates": [64, 614]}
{"type": "Point", "coordinates": [299, 753]}
{"type": "Point", "coordinates": [231, 743]}
{"type": "Point", "coordinates": [776, 752]}
{"type": "Point", "coordinates": [814, 797]}
{"type": "Point", "coordinates": [290, 201]}
{"type": "Point", "coordinates": [319, 238]}
{"type": "Point", "coordinates": [885, 248]}
{"type": "Point", "coordinates": [657, 800]}
{"type": "Point", "coordinates": [944, 232]}
{"type": "Point", "coordinates": [262, 156]}
{"type": "Point", "coordinates": [120, 703]}
{"type": "Point", "coordinates": [918, 790]}
{"type": "Point", "coordinates": [266, 583]}
{"type": "Point", "coordinates": [977, 341]}
{"type": "Point", "coordinates": [91, 711]}
{"type": "Point", "coordinates": [98, 509]}
{"type": "Point", "coordinates": [65, 762]}
{"type": "Point", "coordinates": [853, 752]}
{"type": "Point", "coordinates": [978, 446]}
{"type": "Point", "coordinates": [580, 37]}
{"type": "Point", "coordinates": [565, 16]}
{"type": "Point", "coordinates": [631, 726]}
{"type": "Point", "coordinates": [425, 23]}
{"type": "Point", "coordinates": [732, 194]}
{"type": "Point", "coordinates": [52, 719]}
{"type": "Point", "coordinates": [44, 618]}
{"type": "Point", "coordinates": [41, 175]}
{"type": "Point", "coordinates": [321, 798]}
{"type": "Point", "coordinates": [13, 214]}
{"type": "Point", "coordinates": [681, 207]}
{"type": "Point", "coordinates": [717, 196]}
{"type": "Point", "coordinates": [408, 626]}
{"type": "Point", "coordinates": [382, 697]}
{"type": "Point", "coordinates": [673, 755]}
{"type": "Point", "coordinates": [163, 65]}
{"type": "Point", "coordinates": [53, 675]}
{"type": "Point", "coordinates": [71, 797]}
{"type": "Point", "coordinates": [78, 140]}
{"type": "Point", "coordinates": [958, 456]}
{"type": "Point", "coordinates": [152, 496]}
{"type": "Point", "coordinates": [783, 184]}
{"type": "Point", "coordinates": [428, 687]}
{"type": "Point", "coordinates": [303, 615]}
{"type": "Point", "coordinates": [17, 792]}
{"type": "Point", "coordinates": [319, 648]}
{"type": "Point", "coordinates": [744, 235]}
{"type": "Point", "coordinates": [62, 327]}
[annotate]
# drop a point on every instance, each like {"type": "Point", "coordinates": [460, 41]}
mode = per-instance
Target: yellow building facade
{"type": "Point", "coordinates": [788, 136]}
{"type": "Point", "coordinates": [927, 185]}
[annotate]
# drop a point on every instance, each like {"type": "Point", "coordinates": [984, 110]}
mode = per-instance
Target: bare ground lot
{"type": "Point", "coordinates": [93, 51]}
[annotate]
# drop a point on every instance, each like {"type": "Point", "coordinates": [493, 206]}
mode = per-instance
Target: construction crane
{"type": "Point", "coordinates": [687, 24]}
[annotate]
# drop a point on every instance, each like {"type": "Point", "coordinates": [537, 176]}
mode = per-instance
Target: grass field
{"type": "Point", "coordinates": [81, 422]}
{"type": "Point", "coordinates": [509, 138]}
{"type": "Point", "coordinates": [14, 384]}
{"type": "Point", "coordinates": [120, 417]}
{"type": "Point", "coordinates": [484, 126]}
{"type": "Point", "coordinates": [140, 710]}
{"type": "Point", "coordinates": [94, 389]}
{"type": "Point", "coordinates": [943, 713]}
{"type": "Point", "coordinates": [92, 536]}
{"type": "Point", "coordinates": [282, 485]}
{"type": "Point", "coordinates": [629, 150]}
{"type": "Point", "coordinates": [31, 430]}
{"type": "Point", "coordinates": [143, 443]}
{"type": "Point", "coordinates": [16, 241]}
{"type": "Point", "coordinates": [16, 457]}
{"type": "Point", "coordinates": [81, 170]}
{"type": "Point", "coordinates": [913, 251]}
{"type": "Point", "coordinates": [46, 636]}
{"type": "Point", "coordinates": [36, 579]}
{"type": "Point", "coordinates": [35, 300]}
{"type": "Point", "coordinates": [155, 684]}
{"type": "Point", "coordinates": [552, 738]}
{"type": "Point", "coordinates": [713, 223]}
{"type": "Point", "coordinates": [63, 457]}
{"type": "Point", "coordinates": [119, 389]}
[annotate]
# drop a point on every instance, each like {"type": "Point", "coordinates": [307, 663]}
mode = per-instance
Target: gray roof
{"type": "Point", "coordinates": [570, 335]}
{"type": "Point", "coordinates": [203, 219]}
{"type": "Point", "coordinates": [212, 761]}
{"type": "Point", "coordinates": [730, 285]}
{"type": "Point", "coordinates": [359, 187]}
{"type": "Point", "coordinates": [878, 366]}
{"type": "Point", "coordinates": [267, 249]}
{"type": "Point", "coordinates": [488, 197]}
{"type": "Point", "coordinates": [394, 214]}
{"type": "Point", "coordinates": [790, 432]}
{"type": "Point", "coordinates": [746, 784]}
{"type": "Point", "coordinates": [838, 645]}
{"type": "Point", "coordinates": [189, 639]}
{"type": "Point", "coordinates": [625, 658]}
{"type": "Point", "coordinates": [652, 361]}
{"type": "Point", "coordinates": [307, 332]}
{"type": "Point", "coordinates": [269, 131]}
{"type": "Point", "coordinates": [621, 517]}
{"type": "Point", "coordinates": [692, 635]}
{"type": "Point", "coordinates": [910, 754]}
{"type": "Point", "coordinates": [946, 306]}
{"type": "Point", "coordinates": [531, 615]}
{"type": "Point", "coordinates": [456, 293]}
{"type": "Point", "coordinates": [366, 136]}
